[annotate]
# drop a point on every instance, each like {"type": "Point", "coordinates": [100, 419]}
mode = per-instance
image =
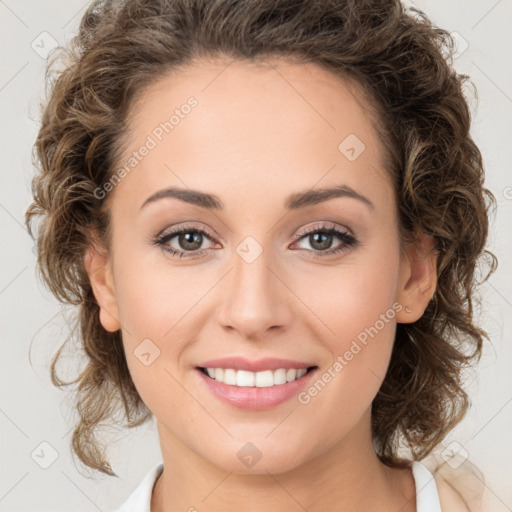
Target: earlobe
{"type": "Point", "coordinates": [418, 279]}
{"type": "Point", "coordinates": [98, 267]}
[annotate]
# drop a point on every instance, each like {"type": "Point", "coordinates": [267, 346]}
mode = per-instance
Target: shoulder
{"type": "Point", "coordinates": [449, 498]}
{"type": "Point", "coordinates": [460, 485]}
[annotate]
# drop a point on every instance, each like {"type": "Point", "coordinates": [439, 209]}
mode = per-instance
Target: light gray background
{"type": "Point", "coordinates": [32, 411]}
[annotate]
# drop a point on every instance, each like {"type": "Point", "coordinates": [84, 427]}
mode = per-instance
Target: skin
{"type": "Point", "coordinates": [258, 135]}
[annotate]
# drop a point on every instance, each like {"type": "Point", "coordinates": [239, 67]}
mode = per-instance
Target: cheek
{"type": "Point", "coordinates": [155, 299]}
{"type": "Point", "coordinates": [357, 310]}
{"type": "Point", "coordinates": [353, 297]}
{"type": "Point", "coordinates": [360, 350]}
{"type": "Point", "coordinates": [155, 307]}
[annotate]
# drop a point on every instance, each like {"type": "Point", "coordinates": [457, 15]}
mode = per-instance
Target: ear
{"type": "Point", "coordinates": [98, 266]}
{"type": "Point", "coordinates": [418, 278]}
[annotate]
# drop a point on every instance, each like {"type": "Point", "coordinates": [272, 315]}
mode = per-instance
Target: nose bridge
{"type": "Point", "coordinates": [254, 300]}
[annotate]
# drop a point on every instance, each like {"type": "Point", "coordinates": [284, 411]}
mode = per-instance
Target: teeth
{"type": "Point", "coordinates": [263, 379]}
{"type": "Point", "coordinates": [229, 377]}
{"type": "Point", "coordinates": [244, 378]}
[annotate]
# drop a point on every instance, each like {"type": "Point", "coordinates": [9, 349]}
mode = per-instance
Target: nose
{"type": "Point", "coordinates": [255, 299]}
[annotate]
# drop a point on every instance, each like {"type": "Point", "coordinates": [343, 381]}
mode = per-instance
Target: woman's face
{"type": "Point", "coordinates": [255, 275]}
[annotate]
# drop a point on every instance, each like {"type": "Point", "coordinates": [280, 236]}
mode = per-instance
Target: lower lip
{"type": "Point", "coordinates": [253, 398]}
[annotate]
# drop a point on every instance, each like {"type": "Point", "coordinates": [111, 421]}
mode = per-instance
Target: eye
{"type": "Point", "coordinates": [186, 241]}
{"type": "Point", "coordinates": [321, 238]}
{"type": "Point", "coordinates": [189, 239]}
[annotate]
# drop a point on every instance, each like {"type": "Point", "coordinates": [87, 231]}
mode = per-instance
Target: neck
{"type": "Point", "coordinates": [347, 477]}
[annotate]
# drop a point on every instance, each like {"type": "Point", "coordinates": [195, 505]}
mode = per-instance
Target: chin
{"type": "Point", "coordinates": [258, 457]}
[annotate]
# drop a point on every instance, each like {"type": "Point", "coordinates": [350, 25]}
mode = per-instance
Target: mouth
{"type": "Point", "coordinates": [260, 379]}
{"type": "Point", "coordinates": [255, 385]}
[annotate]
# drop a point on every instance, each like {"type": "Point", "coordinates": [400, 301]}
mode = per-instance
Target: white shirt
{"type": "Point", "coordinates": [427, 497]}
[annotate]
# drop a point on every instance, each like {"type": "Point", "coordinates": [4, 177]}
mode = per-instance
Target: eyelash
{"type": "Point", "coordinates": [347, 239]}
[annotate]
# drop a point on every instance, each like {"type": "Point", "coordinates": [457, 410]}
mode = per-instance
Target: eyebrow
{"type": "Point", "coordinates": [293, 202]}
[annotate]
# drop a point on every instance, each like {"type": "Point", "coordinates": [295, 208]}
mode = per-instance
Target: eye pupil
{"type": "Point", "coordinates": [324, 240]}
{"type": "Point", "coordinates": [190, 240]}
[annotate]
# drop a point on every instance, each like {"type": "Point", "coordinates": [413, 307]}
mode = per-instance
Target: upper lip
{"type": "Point", "coordinates": [241, 363]}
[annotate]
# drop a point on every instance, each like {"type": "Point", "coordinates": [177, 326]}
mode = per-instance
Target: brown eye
{"type": "Point", "coordinates": [190, 240]}
{"type": "Point", "coordinates": [183, 242]}
{"type": "Point", "coordinates": [321, 239]}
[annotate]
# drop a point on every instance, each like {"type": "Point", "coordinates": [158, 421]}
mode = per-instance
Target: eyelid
{"type": "Point", "coordinates": [183, 227]}
{"type": "Point", "coordinates": [321, 226]}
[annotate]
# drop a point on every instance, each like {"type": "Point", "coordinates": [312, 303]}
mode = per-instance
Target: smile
{"type": "Point", "coordinates": [255, 385]}
{"type": "Point", "coordinates": [262, 379]}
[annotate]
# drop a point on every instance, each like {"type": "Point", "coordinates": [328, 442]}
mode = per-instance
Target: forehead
{"type": "Point", "coordinates": [305, 91]}
{"type": "Point", "coordinates": [256, 124]}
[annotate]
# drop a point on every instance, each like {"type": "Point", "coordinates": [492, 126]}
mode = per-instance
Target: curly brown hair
{"type": "Point", "coordinates": [402, 63]}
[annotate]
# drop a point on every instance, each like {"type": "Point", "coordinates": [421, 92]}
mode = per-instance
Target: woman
{"type": "Point", "coordinates": [269, 214]}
